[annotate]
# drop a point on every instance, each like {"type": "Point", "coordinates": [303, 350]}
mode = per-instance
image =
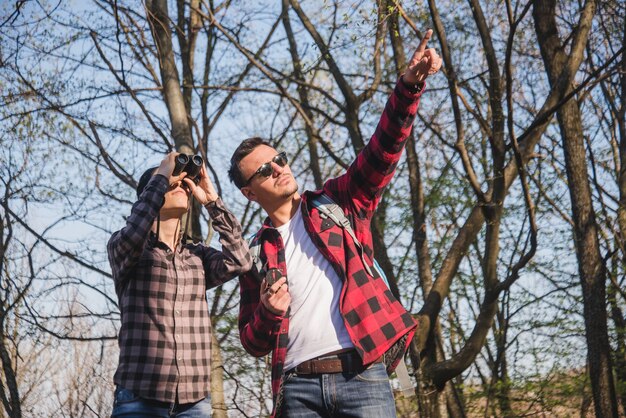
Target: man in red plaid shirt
{"type": "Point", "coordinates": [334, 330]}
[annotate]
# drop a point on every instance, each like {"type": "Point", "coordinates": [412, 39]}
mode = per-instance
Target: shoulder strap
{"type": "Point", "coordinates": [329, 209]}
{"type": "Point", "coordinates": [255, 253]}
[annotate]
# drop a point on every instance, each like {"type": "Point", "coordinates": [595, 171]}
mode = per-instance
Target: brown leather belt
{"type": "Point", "coordinates": [347, 362]}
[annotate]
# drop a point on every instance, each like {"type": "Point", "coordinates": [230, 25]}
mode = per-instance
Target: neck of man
{"type": "Point", "coordinates": [284, 210]}
{"type": "Point", "coordinates": [169, 230]}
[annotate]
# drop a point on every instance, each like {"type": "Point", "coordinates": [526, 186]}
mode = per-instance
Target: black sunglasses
{"type": "Point", "coordinates": [267, 169]}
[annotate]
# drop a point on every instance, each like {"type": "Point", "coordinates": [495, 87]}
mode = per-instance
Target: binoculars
{"type": "Point", "coordinates": [190, 164]}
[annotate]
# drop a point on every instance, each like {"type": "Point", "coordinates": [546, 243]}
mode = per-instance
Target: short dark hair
{"type": "Point", "coordinates": [144, 179]}
{"type": "Point", "coordinates": [245, 148]}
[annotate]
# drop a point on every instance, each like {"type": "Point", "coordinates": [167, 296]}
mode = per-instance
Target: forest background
{"type": "Point", "coordinates": [503, 230]}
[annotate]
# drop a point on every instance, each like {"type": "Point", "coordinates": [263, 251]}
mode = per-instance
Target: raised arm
{"type": "Point", "coordinates": [126, 245]}
{"type": "Point", "coordinates": [234, 258]}
{"type": "Point", "coordinates": [374, 166]}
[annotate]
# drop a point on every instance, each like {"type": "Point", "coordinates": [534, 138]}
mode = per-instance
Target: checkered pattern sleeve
{"type": "Point", "coordinates": [126, 245]}
{"type": "Point", "coordinates": [234, 259]}
{"type": "Point", "coordinates": [258, 327]}
{"type": "Point", "coordinates": [372, 170]}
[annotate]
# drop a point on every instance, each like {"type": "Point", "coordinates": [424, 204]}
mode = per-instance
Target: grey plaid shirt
{"type": "Point", "coordinates": [165, 340]}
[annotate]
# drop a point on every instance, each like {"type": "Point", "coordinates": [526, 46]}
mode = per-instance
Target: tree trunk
{"type": "Point", "coordinates": [621, 124]}
{"type": "Point", "coordinates": [501, 385]}
{"type": "Point", "coordinates": [620, 336]}
{"type": "Point", "coordinates": [160, 25]}
{"type": "Point", "coordinates": [590, 264]}
{"type": "Point", "coordinates": [617, 313]}
{"type": "Point", "coordinates": [9, 390]}
{"type": "Point", "coordinates": [218, 402]}
{"type": "Point", "coordinates": [454, 404]}
{"type": "Point", "coordinates": [187, 33]}
{"type": "Point", "coordinates": [159, 19]}
{"type": "Point", "coordinates": [11, 397]}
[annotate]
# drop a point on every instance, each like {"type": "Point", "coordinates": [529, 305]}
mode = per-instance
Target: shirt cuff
{"type": "Point", "coordinates": [215, 207]}
{"type": "Point", "coordinates": [269, 315]}
{"type": "Point", "coordinates": [271, 322]}
{"type": "Point", "coordinates": [411, 89]}
{"type": "Point", "coordinates": [155, 190]}
{"type": "Point", "coordinates": [158, 181]}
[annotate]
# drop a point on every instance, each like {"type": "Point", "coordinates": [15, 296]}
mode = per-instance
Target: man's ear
{"type": "Point", "coordinates": [249, 194]}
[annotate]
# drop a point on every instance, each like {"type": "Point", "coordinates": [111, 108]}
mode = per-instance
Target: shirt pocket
{"type": "Point", "coordinates": [193, 271]}
{"type": "Point", "coordinates": [152, 270]}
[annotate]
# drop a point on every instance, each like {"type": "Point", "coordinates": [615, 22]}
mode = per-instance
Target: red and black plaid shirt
{"type": "Point", "coordinates": [165, 337]}
{"type": "Point", "coordinates": [373, 317]}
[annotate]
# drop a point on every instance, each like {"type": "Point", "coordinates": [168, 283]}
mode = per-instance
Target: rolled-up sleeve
{"type": "Point", "coordinates": [234, 259]}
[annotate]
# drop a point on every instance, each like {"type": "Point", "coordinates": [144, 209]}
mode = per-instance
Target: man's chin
{"type": "Point", "coordinates": [289, 192]}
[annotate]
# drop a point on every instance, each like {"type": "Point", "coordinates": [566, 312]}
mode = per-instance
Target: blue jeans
{"type": "Point", "coordinates": [364, 395]}
{"type": "Point", "coordinates": [129, 405]}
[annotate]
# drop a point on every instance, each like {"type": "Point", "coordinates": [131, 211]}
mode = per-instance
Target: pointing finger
{"type": "Point", "coordinates": [422, 46]}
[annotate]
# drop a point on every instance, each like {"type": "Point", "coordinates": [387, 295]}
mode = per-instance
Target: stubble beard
{"type": "Point", "coordinates": [289, 192]}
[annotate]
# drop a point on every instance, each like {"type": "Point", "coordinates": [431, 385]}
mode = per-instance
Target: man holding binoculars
{"type": "Point", "coordinates": [161, 283]}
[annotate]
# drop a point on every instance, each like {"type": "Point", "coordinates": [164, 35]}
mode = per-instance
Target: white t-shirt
{"type": "Point", "coordinates": [315, 324]}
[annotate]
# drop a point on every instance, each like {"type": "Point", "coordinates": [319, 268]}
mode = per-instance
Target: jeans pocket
{"type": "Point", "coordinates": [374, 373]}
{"type": "Point", "coordinates": [124, 396]}
{"type": "Point", "coordinates": [290, 375]}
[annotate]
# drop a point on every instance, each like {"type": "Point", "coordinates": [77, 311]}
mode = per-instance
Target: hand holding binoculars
{"type": "Point", "coordinates": [190, 164]}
